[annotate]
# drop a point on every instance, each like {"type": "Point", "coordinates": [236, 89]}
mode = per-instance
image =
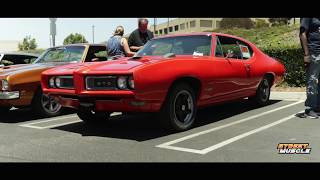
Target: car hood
{"type": "Point", "coordinates": [122, 65]}
{"type": "Point", "coordinates": [118, 65]}
{"type": "Point", "coordinates": [21, 68]}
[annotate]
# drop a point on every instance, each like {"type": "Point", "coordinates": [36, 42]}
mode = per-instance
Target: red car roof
{"type": "Point", "coordinates": [202, 33]}
{"type": "Point", "coordinates": [184, 34]}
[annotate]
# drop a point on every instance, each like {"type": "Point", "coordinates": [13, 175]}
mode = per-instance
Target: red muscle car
{"type": "Point", "coordinates": [174, 75]}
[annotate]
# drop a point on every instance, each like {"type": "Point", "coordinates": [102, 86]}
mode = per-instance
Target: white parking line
{"type": "Point", "coordinates": [167, 145]}
{"type": "Point", "coordinates": [32, 125]}
{"type": "Point", "coordinates": [51, 126]}
{"type": "Point", "coordinates": [51, 119]}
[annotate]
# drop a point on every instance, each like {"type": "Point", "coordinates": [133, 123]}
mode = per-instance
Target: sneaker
{"type": "Point", "coordinates": [311, 114]}
{"type": "Point", "coordinates": [301, 115]}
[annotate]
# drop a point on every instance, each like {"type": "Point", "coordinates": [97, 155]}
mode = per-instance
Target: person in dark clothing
{"type": "Point", "coordinates": [117, 45]}
{"type": "Point", "coordinates": [139, 37]}
{"type": "Point", "coordinates": [310, 42]}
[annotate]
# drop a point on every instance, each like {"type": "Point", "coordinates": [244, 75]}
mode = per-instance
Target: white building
{"type": "Point", "coordinates": [9, 45]}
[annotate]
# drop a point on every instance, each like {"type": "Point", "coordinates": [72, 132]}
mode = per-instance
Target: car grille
{"type": "Point", "coordinates": [101, 82]}
{"type": "Point", "coordinates": [66, 82]}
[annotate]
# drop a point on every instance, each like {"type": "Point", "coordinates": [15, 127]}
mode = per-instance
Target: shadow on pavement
{"type": "Point", "coordinates": [25, 114]}
{"type": "Point", "coordinates": [142, 127]}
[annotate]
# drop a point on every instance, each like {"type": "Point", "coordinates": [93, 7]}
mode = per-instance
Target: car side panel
{"type": "Point", "coordinates": [217, 82]}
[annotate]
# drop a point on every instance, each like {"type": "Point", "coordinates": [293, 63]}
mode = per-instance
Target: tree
{"type": "Point", "coordinates": [74, 38]}
{"type": "Point", "coordinates": [27, 44]}
{"type": "Point", "coordinates": [236, 22]}
{"type": "Point", "coordinates": [279, 21]}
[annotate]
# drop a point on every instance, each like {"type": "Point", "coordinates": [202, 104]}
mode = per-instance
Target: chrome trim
{"type": "Point", "coordinates": [9, 94]}
{"type": "Point", "coordinates": [87, 78]}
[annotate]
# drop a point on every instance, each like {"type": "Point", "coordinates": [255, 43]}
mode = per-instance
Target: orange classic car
{"type": "Point", "coordinates": [20, 84]}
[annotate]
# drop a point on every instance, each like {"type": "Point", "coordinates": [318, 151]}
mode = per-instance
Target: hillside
{"type": "Point", "coordinates": [267, 36]}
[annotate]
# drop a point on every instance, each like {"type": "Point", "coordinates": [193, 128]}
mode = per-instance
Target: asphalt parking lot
{"type": "Point", "coordinates": [233, 132]}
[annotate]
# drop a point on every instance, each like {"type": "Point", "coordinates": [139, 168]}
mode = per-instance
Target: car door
{"type": "Point", "coordinates": [248, 60]}
{"type": "Point", "coordinates": [230, 73]}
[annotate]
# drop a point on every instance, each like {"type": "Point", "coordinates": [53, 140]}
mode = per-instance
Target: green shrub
{"type": "Point", "coordinates": [292, 58]}
{"type": "Point", "coordinates": [279, 21]}
{"type": "Point", "coordinates": [246, 23]}
{"type": "Point", "coordinates": [261, 23]}
{"type": "Point", "coordinates": [35, 51]}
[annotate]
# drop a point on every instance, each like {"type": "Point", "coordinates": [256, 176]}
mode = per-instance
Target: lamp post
{"type": "Point", "coordinates": [53, 30]}
{"type": "Point", "coordinates": [93, 33]}
{"type": "Point", "coordinates": [168, 26]}
{"type": "Point", "coordinates": [154, 25]}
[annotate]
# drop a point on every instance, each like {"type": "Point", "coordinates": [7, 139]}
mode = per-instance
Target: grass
{"type": "Point", "coordinates": [267, 36]}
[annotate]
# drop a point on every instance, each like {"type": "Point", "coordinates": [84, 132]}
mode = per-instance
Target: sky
{"type": "Point", "coordinates": [39, 28]}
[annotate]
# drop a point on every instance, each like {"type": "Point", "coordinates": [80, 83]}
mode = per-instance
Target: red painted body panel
{"type": "Point", "coordinates": [220, 79]}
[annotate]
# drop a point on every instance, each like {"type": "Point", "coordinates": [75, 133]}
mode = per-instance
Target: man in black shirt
{"type": "Point", "coordinates": [310, 42]}
{"type": "Point", "coordinates": [139, 37]}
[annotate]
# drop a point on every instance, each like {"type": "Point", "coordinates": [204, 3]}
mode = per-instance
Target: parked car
{"type": "Point", "coordinates": [12, 58]}
{"type": "Point", "coordinates": [20, 84]}
{"type": "Point", "coordinates": [174, 75]}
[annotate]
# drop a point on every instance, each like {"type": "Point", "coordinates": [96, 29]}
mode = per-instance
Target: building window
{"type": "Point", "coordinates": [165, 31]}
{"type": "Point", "coordinates": [218, 24]}
{"type": "Point", "coordinates": [170, 29]}
{"type": "Point", "coordinates": [156, 32]}
{"type": "Point", "coordinates": [182, 26]}
{"type": "Point", "coordinates": [160, 31]}
{"type": "Point", "coordinates": [206, 23]}
{"type": "Point", "coordinates": [192, 24]}
{"type": "Point", "coordinates": [176, 28]}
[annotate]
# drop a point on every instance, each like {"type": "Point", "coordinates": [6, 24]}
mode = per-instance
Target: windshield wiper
{"type": "Point", "coordinates": [135, 57]}
{"type": "Point", "coordinates": [169, 55]}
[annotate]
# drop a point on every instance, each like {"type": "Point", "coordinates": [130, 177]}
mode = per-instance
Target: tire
{"type": "Point", "coordinates": [263, 93]}
{"type": "Point", "coordinates": [4, 110]}
{"type": "Point", "coordinates": [179, 110]}
{"type": "Point", "coordinates": [89, 116]}
{"type": "Point", "coordinates": [45, 106]}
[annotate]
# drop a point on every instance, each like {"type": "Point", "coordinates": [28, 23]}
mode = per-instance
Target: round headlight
{"type": "Point", "coordinates": [58, 82]}
{"type": "Point", "coordinates": [5, 85]}
{"type": "Point", "coordinates": [122, 82]}
{"type": "Point", "coordinates": [51, 82]}
{"type": "Point", "coordinates": [131, 82]}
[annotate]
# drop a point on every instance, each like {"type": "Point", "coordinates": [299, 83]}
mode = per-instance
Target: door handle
{"type": "Point", "coordinates": [247, 67]}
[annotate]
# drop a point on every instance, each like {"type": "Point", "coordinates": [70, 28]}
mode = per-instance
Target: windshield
{"type": "Point", "coordinates": [197, 45]}
{"type": "Point", "coordinates": [62, 54]}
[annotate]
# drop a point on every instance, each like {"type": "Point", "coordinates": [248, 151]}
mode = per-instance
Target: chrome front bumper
{"type": "Point", "coordinates": [9, 94]}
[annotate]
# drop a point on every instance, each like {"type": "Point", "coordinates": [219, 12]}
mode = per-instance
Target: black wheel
{"type": "Point", "coordinates": [263, 93]}
{"type": "Point", "coordinates": [45, 105]}
{"type": "Point", "coordinates": [4, 110]}
{"type": "Point", "coordinates": [90, 116]}
{"type": "Point", "coordinates": [179, 111]}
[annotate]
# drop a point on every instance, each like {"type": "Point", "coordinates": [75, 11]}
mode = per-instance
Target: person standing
{"type": "Point", "coordinates": [117, 45]}
{"type": "Point", "coordinates": [139, 37]}
{"type": "Point", "coordinates": [310, 42]}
